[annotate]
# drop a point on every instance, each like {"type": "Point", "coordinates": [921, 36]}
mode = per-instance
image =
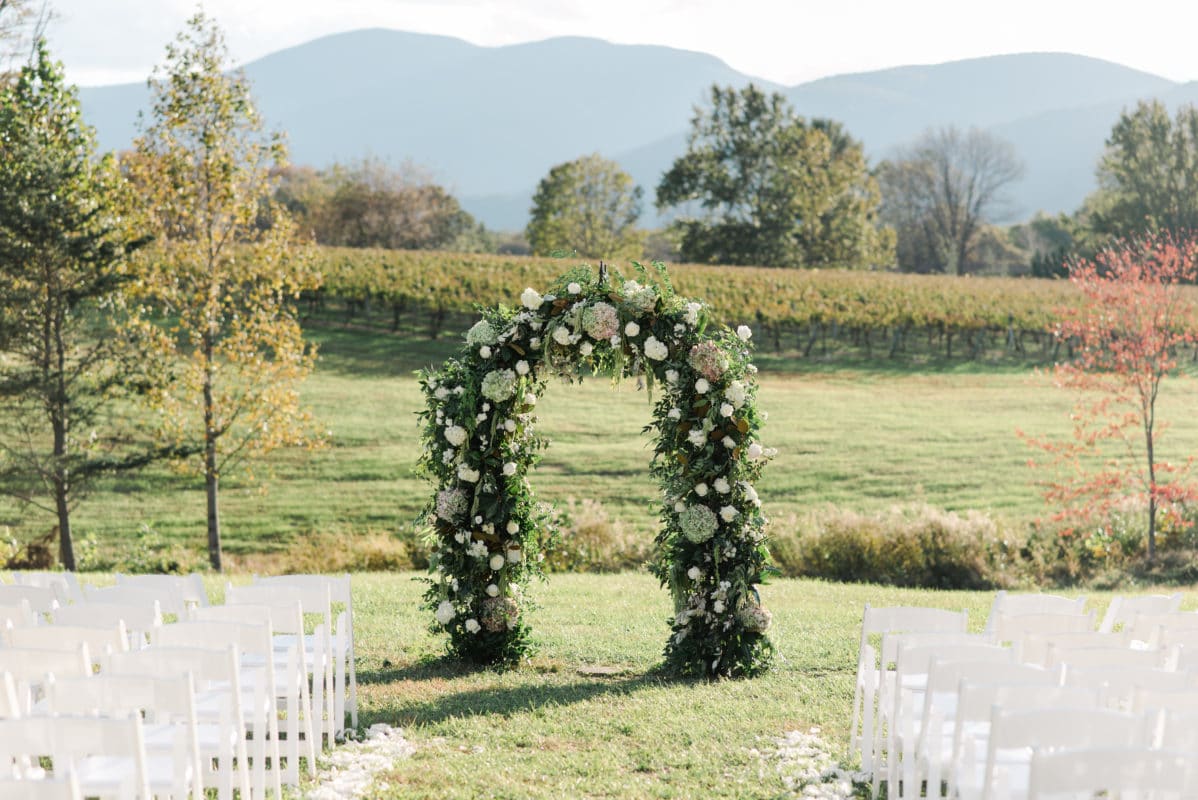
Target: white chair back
{"type": "Point", "coordinates": [1127, 772]}
{"type": "Point", "coordinates": [1122, 610]}
{"type": "Point", "coordinates": [1014, 605]}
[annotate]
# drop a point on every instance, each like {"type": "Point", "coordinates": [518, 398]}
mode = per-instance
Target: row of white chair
{"type": "Point", "coordinates": [898, 729]}
{"type": "Point", "coordinates": [276, 660]}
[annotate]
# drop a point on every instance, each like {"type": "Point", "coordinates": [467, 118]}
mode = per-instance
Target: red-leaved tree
{"type": "Point", "coordinates": [1133, 318]}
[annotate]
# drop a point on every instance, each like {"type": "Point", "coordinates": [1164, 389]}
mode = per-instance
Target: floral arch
{"type": "Point", "coordinates": [480, 441]}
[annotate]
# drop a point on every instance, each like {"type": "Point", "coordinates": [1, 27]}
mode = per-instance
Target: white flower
{"type": "Point", "coordinates": [477, 550]}
{"type": "Point", "coordinates": [694, 573]}
{"type": "Point", "coordinates": [701, 386]}
{"type": "Point", "coordinates": [586, 348]}
{"type": "Point", "coordinates": [535, 343]}
{"type": "Point", "coordinates": [441, 393]}
{"type": "Point", "coordinates": [680, 506]}
{"type": "Point", "coordinates": [472, 625]}
{"type": "Point", "coordinates": [736, 394]}
{"type": "Point", "coordinates": [513, 526]}
{"type": "Point", "coordinates": [521, 367]}
{"type": "Point", "coordinates": [729, 442]}
{"type": "Point", "coordinates": [445, 612]}
{"type": "Point", "coordinates": [561, 334]}
{"type": "Point", "coordinates": [675, 413]}
{"type": "Point", "coordinates": [481, 333]}
{"type": "Point", "coordinates": [698, 523]}
{"type": "Point", "coordinates": [697, 437]}
{"type": "Point", "coordinates": [514, 554]}
{"type": "Point", "coordinates": [455, 435]}
{"type": "Point", "coordinates": [509, 468]}
{"type": "Point", "coordinates": [655, 350]}
{"type": "Point", "coordinates": [701, 489]}
{"type": "Point", "coordinates": [632, 329]}
{"type": "Point", "coordinates": [726, 409]}
{"type": "Point", "coordinates": [615, 340]}
{"type": "Point", "coordinates": [692, 313]}
{"type": "Point", "coordinates": [573, 288]}
{"type": "Point", "coordinates": [728, 513]}
{"type": "Point", "coordinates": [751, 494]}
{"type": "Point", "coordinates": [484, 351]}
{"type": "Point", "coordinates": [531, 299]}
{"type": "Point", "coordinates": [497, 562]}
{"type": "Point", "coordinates": [717, 607]}
{"type": "Point", "coordinates": [467, 474]}
{"type": "Point", "coordinates": [492, 590]}
{"type": "Point", "coordinates": [509, 425]}
{"type": "Point", "coordinates": [721, 485]}
{"type": "Point", "coordinates": [671, 376]}
{"type": "Point", "coordinates": [530, 399]}
{"type": "Point", "coordinates": [499, 385]}
{"type": "Point", "coordinates": [754, 452]}
{"type": "Point", "coordinates": [478, 520]}
{"type": "Point", "coordinates": [744, 333]}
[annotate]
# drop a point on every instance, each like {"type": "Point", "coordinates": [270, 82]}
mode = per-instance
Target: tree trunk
{"type": "Point", "coordinates": [1151, 494]}
{"type": "Point", "coordinates": [211, 476]}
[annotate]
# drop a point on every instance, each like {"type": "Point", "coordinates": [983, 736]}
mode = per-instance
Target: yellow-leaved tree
{"type": "Point", "coordinates": [221, 283]}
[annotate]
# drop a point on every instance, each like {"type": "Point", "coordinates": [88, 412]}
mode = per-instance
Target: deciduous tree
{"type": "Point", "coordinates": [223, 284]}
{"type": "Point", "coordinates": [761, 185]}
{"type": "Point", "coordinates": [63, 249]}
{"type": "Point", "coordinates": [589, 206]}
{"type": "Point", "coordinates": [1148, 176]}
{"type": "Point", "coordinates": [1134, 318]}
{"type": "Point", "coordinates": [939, 192]}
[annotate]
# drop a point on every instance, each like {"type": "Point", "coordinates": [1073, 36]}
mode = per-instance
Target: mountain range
{"type": "Point", "coordinates": [489, 122]}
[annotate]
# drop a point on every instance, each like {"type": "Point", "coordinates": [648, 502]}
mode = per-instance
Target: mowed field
{"type": "Point", "coordinates": [860, 438]}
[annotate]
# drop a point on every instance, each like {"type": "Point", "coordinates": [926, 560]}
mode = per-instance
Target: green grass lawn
{"type": "Point", "coordinates": [857, 438]}
{"type": "Point", "coordinates": [546, 731]}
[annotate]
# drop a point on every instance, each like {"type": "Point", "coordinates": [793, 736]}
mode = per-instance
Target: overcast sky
{"type": "Point", "coordinates": [788, 41]}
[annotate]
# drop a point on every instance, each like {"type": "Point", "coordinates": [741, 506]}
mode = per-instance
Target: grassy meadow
{"type": "Point", "coordinates": [859, 437]}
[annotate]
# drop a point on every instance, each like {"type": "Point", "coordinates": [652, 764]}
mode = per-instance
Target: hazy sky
{"type": "Point", "coordinates": [788, 41]}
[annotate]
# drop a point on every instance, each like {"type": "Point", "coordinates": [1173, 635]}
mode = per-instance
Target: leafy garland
{"type": "Point", "coordinates": [480, 442]}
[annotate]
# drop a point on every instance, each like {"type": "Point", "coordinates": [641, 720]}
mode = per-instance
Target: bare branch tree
{"type": "Point", "coordinates": [940, 190]}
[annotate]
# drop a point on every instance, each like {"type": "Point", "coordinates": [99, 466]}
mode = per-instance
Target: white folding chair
{"type": "Point", "coordinates": [99, 640]}
{"type": "Point", "coordinates": [975, 711]}
{"type": "Point", "coordinates": [291, 674]}
{"type": "Point", "coordinates": [139, 621]}
{"type": "Point", "coordinates": [65, 584]}
{"type": "Point", "coordinates": [339, 622]}
{"type": "Point", "coordinates": [1014, 735]}
{"type": "Point", "coordinates": [1147, 628]}
{"type": "Point", "coordinates": [18, 615]}
{"type": "Point", "coordinates": [1034, 647]}
{"type": "Point", "coordinates": [108, 756]}
{"type": "Point", "coordinates": [221, 715]}
{"type": "Point", "coordinates": [938, 721]}
{"type": "Point", "coordinates": [257, 670]}
{"type": "Point", "coordinates": [25, 743]}
{"type": "Point", "coordinates": [1016, 629]}
{"type": "Point", "coordinates": [28, 668]}
{"type": "Point", "coordinates": [1111, 657]}
{"type": "Point", "coordinates": [41, 599]}
{"type": "Point", "coordinates": [175, 593]}
{"type": "Point", "coordinates": [1119, 684]}
{"type": "Point", "coordinates": [1122, 610]}
{"type": "Point", "coordinates": [1014, 605]}
{"type": "Point", "coordinates": [170, 728]}
{"type": "Point", "coordinates": [912, 664]}
{"type": "Point", "coordinates": [1126, 772]}
{"type": "Point", "coordinates": [870, 674]}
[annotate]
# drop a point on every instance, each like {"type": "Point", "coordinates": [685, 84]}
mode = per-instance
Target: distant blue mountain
{"type": "Point", "coordinates": [489, 122]}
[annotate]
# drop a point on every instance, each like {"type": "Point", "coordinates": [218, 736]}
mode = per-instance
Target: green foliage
{"type": "Point", "coordinates": [480, 443]}
{"type": "Point", "coordinates": [912, 545]}
{"type": "Point", "coordinates": [774, 189]}
{"type": "Point", "coordinates": [63, 249]}
{"type": "Point", "coordinates": [587, 207]}
{"type": "Point", "coordinates": [940, 191]}
{"type": "Point", "coordinates": [218, 295]}
{"type": "Point", "coordinates": [1148, 177]}
{"type": "Point", "coordinates": [370, 203]}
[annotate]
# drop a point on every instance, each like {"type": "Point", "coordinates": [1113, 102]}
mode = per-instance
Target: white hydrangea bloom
{"type": "Point", "coordinates": [445, 612]}
{"type": "Point", "coordinates": [472, 625]}
{"type": "Point", "coordinates": [531, 299]}
{"type": "Point", "coordinates": [455, 435]}
{"type": "Point", "coordinates": [655, 349]}
{"type": "Point", "coordinates": [744, 333]}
